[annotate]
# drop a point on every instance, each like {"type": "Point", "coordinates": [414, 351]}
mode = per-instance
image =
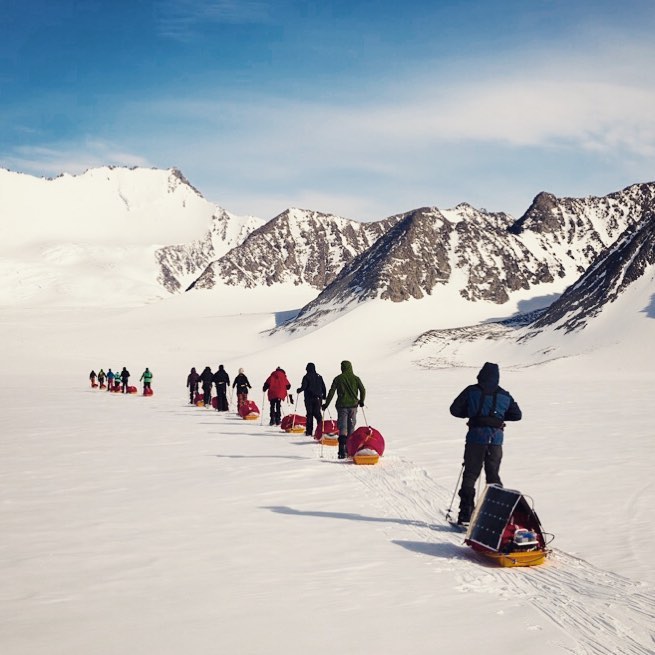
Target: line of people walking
{"type": "Point", "coordinates": [348, 388]}
{"type": "Point", "coordinates": [110, 380]}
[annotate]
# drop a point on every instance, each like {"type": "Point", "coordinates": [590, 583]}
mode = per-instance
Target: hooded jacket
{"type": "Point", "coordinates": [207, 378]}
{"type": "Point", "coordinates": [221, 376]}
{"type": "Point", "coordinates": [312, 384]}
{"type": "Point", "coordinates": [348, 387]}
{"type": "Point", "coordinates": [241, 382]}
{"type": "Point", "coordinates": [192, 379]}
{"type": "Point", "coordinates": [277, 385]}
{"type": "Point", "coordinates": [487, 406]}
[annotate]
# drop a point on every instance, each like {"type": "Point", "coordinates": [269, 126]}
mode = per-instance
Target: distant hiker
{"type": "Point", "coordinates": [277, 386]}
{"type": "Point", "coordinates": [101, 378]}
{"type": "Point", "coordinates": [350, 395]}
{"type": "Point", "coordinates": [222, 382]}
{"type": "Point", "coordinates": [242, 385]}
{"type": "Point", "coordinates": [92, 377]}
{"type": "Point", "coordinates": [207, 379]}
{"type": "Point", "coordinates": [146, 376]}
{"type": "Point", "coordinates": [192, 381]}
{"type": "Point", "coordinates": [314, 387]}
{"type": "Point", "coordinates": [125, 379]}
{"type": "Point", "coordinates": [110, 379]}
{"type": "Point", "coordinates": [486, 406]}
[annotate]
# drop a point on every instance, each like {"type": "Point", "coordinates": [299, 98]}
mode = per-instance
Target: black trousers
{"type": "Point", "coordinates": [221, 397]}
{"type": "Point", "coordinates": [207, 395]}
{"type": "Point", "coordinates": [192, 394]}
{"type": "Point", "coordinates": [276, 411]}
{"type": "Point", "coordinates": [313, 411]}
{"type": "Point", "coordinates": [477, 456]}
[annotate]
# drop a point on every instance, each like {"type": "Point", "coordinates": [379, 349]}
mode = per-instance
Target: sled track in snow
{"type": "Point", "coordinates": [604, 613]}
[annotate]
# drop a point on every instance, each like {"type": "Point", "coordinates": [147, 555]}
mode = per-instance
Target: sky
{"type": "Point", "coordinates": [358, 108]}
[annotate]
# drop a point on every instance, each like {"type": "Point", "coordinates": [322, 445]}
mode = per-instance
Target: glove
{"type": "Point", "coordinates": [291, 398]}
{"type": "Point", "coordinates": [361, 403]}
{"type": "Point", "coordinates": [323, 407]}
{"type": "Point", "coordinates": [298, 390]}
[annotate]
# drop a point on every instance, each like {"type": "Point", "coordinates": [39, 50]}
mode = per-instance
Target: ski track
{"type": "Point", "coordinates": [604, 613]}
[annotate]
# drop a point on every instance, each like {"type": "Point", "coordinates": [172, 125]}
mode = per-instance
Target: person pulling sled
{"type": "Point", "coordinates": [350, 395]}
{"type": "Point", "coordinates": [277, 386]}
{"type": "Point", "coordinates": [222, 382]}
{"type": "Point", "coordinates": [486, 406]}
{"type": "Point", "coordinates": [314, 388]}
{"type": "Point", "coordinates": [242, 384]}
{"type": "Point", "coordinates": [192, 381]}
{"type": "Point", "coordinates": [146, 377]}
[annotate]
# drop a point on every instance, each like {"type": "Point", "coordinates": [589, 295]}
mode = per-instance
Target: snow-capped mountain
{"type": "Point", "coordinates": [181, 265]}
{"type": "Point", "coordinates": [299, 247]}
{"type": "Point", "coordinates": [483, 257]}
{"type": "Point", "coordinates": [630, 260]}
{"type": "Point", "coordinates": [97, 238]}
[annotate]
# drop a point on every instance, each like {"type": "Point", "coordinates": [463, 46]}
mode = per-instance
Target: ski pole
{"type": "Point", "coordinates": [261, 420]}
{"type": "Point", "coordinates": [450, 509]}
{"type": "Point", "coordinates": [293, 421]}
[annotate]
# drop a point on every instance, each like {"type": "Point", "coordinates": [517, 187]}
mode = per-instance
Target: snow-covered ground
{"type": "Point", "coordinates": [145, 525]}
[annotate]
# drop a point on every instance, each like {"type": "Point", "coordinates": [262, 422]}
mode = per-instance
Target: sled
{"type": "Point", "coordinates": [148, 391]}
{"type": "Point", "coordinates": [505, 529]}
{"type": "Point", "coordinates": [294, 423]}
{"type": "Point", "coordinates": [329, 428]}
{"type": "Point", "coordinates": [366, 456]}
{"type": "Point", "coordinates": [199, 403]}
{"type": "Point", "coordinates": [368, 441]}
{"type": "Point", "coordinates": [132, 390]}
{"type": "Point", "coordinates": [103, 386]}
{"type": "Point", "coordinates": [215, 402]}
{"type": "Point", "coordinates": [249, 411]}
{"type": "Point", "coordinates": [329, 440]}
{"type": "Point", "coordinates": [94, 385]}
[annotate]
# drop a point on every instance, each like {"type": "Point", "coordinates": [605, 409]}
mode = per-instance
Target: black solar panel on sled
{"type": "Point", "coordinates": [492, 515]}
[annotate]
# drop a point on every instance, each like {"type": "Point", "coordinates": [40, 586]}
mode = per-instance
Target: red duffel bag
{"type": "Point", "coordinates": [365, 437]}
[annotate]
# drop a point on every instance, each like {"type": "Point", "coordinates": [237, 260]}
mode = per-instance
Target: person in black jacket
{"type": "Point", "coordinates": [207, 379]}
{"type": "Point", "coordinates": [242, 385]}
{"type": "Point", "coordinates": [486, 406]}
{"type": "Point", "coordinates": [192, 381]}
{"type": "Point", "coordinates": [222, 381]}
{"type": "Point", "coordinates": [125, 379]}
{"type": "Point", "coordinates": [314, 387]}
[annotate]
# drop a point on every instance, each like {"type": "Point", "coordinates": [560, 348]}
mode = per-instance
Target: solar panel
{"type": "Point", "coordinates": [491, 515]}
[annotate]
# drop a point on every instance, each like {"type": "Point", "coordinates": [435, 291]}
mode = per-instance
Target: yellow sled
{"type": "Point", "coordinates": [200, 403]}
{"type": "Point", "coordinates": [366, 456]}
{"type": "Point", "coordinates": [329, 440]}
{"type": "Point", "coordinates": [251, 417]}
{"type": "Point", "coordinates": [296, 429]}
{"type": "Point", "coordinates": [518, 558]}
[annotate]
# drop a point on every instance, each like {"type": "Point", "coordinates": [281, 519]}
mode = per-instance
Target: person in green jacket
{"type": "Point", "coordinates": [350, 395]}
{"type": "Point", "coordinates": [146, 376]}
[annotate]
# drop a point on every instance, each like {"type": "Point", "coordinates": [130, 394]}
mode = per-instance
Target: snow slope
{"type": "Point", "coordinates": [147, 525]}
{"type": "Point", "coordinates": [103, 238]}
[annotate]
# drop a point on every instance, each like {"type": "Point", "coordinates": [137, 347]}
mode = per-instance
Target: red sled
{"type": "Point", "coordinates": [249, 410]}
{"type": "Point", "coordinates": [117, 388]}
{"type": "Point", "coordinates": [293, 423]}
{"type": "Point", "coordinates": [148, 391]}
{"type": "Point", "coordinates": [94, 385]}
{"type": "Point", "coordinates": [103, 386]}
{"type": "Point", "coordinates": [215, 402]}
{"type": "Point", "coordinates": [365, 438]}
{"type": "Point", "coordinates": [132, 390]}
{"type": "Point", "coordinates": [327, 428]}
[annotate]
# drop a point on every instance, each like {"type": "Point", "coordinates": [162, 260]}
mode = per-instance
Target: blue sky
{"type": "Point", "coordinates": [359, 108]}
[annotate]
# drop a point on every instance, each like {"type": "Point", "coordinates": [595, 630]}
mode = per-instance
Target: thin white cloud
{"type": "Point", "coordinates": [74, 159]}
{"type": "Point", "coordinates": [183, 19]}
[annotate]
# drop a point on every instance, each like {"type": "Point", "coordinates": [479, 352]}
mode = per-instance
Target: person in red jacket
{"type": "Point", "coordinates": [277, 386]}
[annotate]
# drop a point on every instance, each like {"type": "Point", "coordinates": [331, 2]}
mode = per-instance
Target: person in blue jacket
{"type": "Point", "coordinates": [486, 406]}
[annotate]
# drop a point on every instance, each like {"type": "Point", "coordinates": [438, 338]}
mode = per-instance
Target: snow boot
{"type": "Point", "coordinates": [342, 446]}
